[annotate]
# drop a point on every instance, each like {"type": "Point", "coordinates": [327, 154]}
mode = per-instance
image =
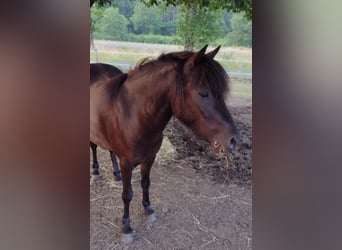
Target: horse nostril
{"type": "Point", "coordinates": [232, 143]}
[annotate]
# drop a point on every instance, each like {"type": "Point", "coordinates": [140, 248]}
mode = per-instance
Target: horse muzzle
{"type": "Point", "coordinates": [222, 147]}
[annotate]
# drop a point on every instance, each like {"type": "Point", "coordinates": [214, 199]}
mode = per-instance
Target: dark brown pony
{"type": "Point", "coordinates": [128, 112]}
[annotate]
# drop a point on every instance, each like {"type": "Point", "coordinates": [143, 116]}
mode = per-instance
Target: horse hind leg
{"type": "Point", "coordinates": [116, 170]}
{"type": "Point", "coordinates": [127, 195]}
{"type": "Point", "coordinates": [95, 173]}
{"type": "Point", "coordinates": [145, 169]}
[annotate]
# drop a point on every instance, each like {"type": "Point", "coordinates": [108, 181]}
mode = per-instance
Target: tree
{"type": "Point", "coordinates": [198, 26]}
{"type": "Point", "coordinates": [146, 20]}
{"type": "Point", "coordinates": [226, 21]}
{"type": "Point", "coordinates": [95, 16]}
{"type": "Point", "coordinates": [113, 23]}
{"type": "Point", "coordinates": [189, 8]}
{"type": "Point", "coordinates": [126, 7]}
{"type": "Point", "coordinates": [198, 22]}
{"type": "Point", "coordinates": [170, 17]}
{"type": "Point", "coordinates": [241, 33]}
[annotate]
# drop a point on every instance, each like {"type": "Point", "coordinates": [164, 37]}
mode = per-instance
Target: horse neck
{"type": "Point", "coordinates": [151, 94]}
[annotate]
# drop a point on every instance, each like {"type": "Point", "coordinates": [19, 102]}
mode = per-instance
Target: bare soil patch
{"type": "Point", "coordinates": [201, 201]}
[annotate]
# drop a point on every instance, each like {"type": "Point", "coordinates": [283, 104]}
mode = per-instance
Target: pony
{"type": "Point", "coordinates": [129, 111]}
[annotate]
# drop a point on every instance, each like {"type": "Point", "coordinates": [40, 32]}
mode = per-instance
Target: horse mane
{"type": "Point", "coordinates": [217, 78]}
{"type": "Point", "coordinates": [115, 85]}
{"type": "Point", "coordinates": [209, 72]}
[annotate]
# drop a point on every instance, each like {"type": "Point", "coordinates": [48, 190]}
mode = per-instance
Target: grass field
{"type": "Point", "coordinates": [132, 58]}
{"type": "Point", "coordinates": [232, 59]}
{"type": "Point", "coordinates": [241, 89]}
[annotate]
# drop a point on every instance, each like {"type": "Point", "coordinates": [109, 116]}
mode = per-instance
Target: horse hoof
{"type": "Point", "coordinates": [151, 218]}
{"type": "Point", "coordinates": [127, 238]}
{"type": "Point", "coordinates": [96, 177]}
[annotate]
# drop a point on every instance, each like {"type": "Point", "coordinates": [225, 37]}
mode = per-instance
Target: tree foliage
{"type": "Point", "coordinates": [226, 21]}
{"type": "Point", "coordinates": [187, 24]}
{"type": "Point", "coordinates": [96, 14]}
{"type": "Point", "coordinates": [197, 26]}
{"type": "Point", "coordinates": [241, 33]}
{"type": "Point", "coordinates": [113, 23]}
{"type": "Point", "coordinates": [126, 7]}
{"type": "Point", "coordinates": [146, 20]}
{"type": "Point", "coordinates": [230, 5]}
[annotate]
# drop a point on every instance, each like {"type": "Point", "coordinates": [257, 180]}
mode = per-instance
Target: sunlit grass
{"type": "Point", "coordinates": [241, 89]}
{"type": "Point", "coordinates": [236, 66]}
{"type": "Point", "coordinates": [112, 58]}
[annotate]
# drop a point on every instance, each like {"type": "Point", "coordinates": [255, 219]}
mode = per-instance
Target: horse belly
{"type": "Point", "coordinates": [97, 134]}
{"type": "Point", "coordinates": [97, 122]}
{"type": "Point", "coordinates": [100, 141]}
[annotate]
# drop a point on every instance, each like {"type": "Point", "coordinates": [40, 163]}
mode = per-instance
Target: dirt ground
{"type": "Point", "coordinates": [201, 201]}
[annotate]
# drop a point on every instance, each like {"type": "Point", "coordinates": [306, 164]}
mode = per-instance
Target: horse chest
{"type": "Point", "coordinates": [147, 149]}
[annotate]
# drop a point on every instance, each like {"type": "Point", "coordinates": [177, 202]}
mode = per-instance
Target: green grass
{"type": "Point", "coordinates": [112, 58]}
{"type": "Point", "coordinates": [134, 58]}
{"type": "Point", "coordinates": [236, 66]}
{"type": "Point", "coordinates": [240, 89]}
{"type": "Point", "coordinates": [227, 55]}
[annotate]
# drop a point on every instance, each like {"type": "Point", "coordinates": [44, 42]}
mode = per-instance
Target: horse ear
{"type": "Point", "coordinates": [202, 51]}
{"type": "Point", "coordinates": [196, 57]}
{"type": "Point", "coordinates": [213, 53]}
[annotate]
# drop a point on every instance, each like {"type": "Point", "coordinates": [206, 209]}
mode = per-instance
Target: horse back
{"type": "Point", "coordinates": [99, 71]}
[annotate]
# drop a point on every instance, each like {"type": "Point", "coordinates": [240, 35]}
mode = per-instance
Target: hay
{"type": "Point", "coordinates": [167, 151]}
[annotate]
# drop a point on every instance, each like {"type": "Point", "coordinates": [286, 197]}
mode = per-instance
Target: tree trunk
{"type": "Point", "coordinates": [189, 43]}
{"type": "Point", "coordinates": [92, 45]}
{"type": "Point", "coordinates": [91, 37]}
{"type": "Point", "coordinates": [189, 39]}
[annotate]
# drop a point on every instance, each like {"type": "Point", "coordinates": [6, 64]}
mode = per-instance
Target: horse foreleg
{"type": "Point", "coordinates": [127, 195]}
{"type": "Point", "coordinates": [95, 173]}
{"type": "Point", "coordinates": [145, 169]}
{"type": "Point", "coordinates": [116, 170]}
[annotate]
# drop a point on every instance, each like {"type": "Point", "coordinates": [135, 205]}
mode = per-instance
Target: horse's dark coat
{"type": "Point", "coordinates": [129, 111]}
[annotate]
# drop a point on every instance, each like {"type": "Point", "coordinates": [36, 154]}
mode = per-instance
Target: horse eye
{"type": "Point", "coordinates": [203, 94]}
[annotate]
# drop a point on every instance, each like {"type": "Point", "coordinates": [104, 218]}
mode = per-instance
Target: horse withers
{"type": "Point", "coordinates": [129, 111]}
